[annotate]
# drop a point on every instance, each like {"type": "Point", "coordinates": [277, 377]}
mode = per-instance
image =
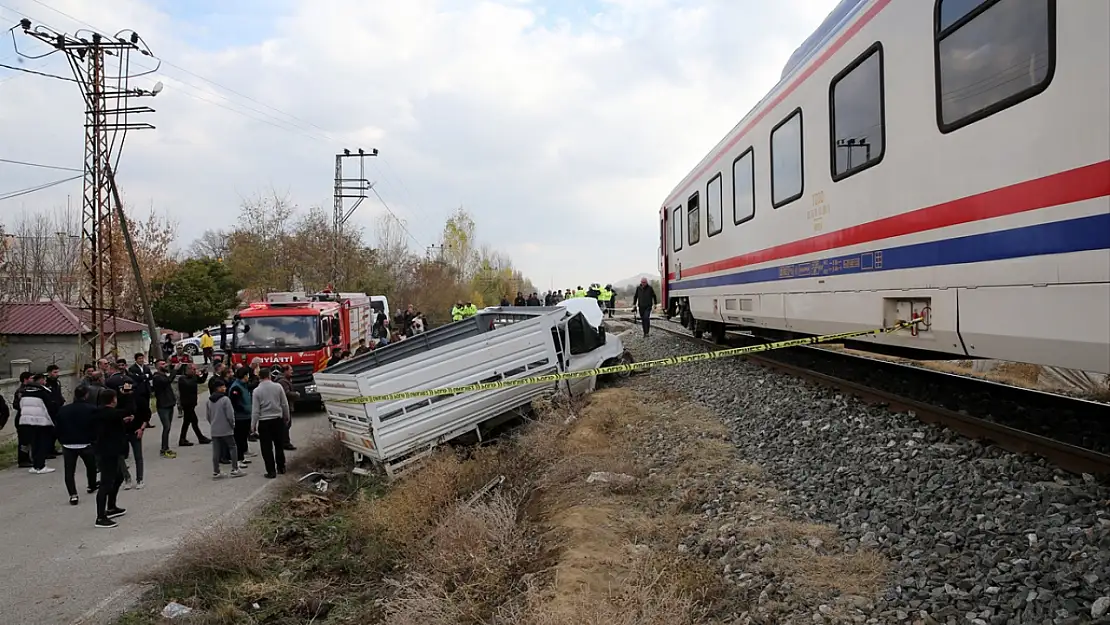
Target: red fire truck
{"type": "Point", "coordinates": [302, 330]}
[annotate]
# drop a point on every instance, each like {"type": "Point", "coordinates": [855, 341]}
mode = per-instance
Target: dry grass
{"type": "Point", "coordinates": [412, 506]}
{"type": "Point", "coordinates": [221, 550]}
{"type": "Point", "coordinates": [860, 573]}
{"type": "Point", "coordinates": [544, 548]}
{"type": "Point", "coordinates": [475, 562]}
{"type": "Point", "coordinates": [325, 453]}
{"type": "Point", "coordinates": [563, 551]}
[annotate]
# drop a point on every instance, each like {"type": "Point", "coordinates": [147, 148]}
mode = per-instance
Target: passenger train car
{"type": "Point", "coordinates": [940, 158]}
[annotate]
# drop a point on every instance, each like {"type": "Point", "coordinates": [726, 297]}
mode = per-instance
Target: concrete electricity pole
{"type": "Point", "coordinates": [347, 188]}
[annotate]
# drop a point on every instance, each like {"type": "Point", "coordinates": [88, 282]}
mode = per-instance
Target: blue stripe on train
{"type": "Point", "coordinates": [1057, 237]}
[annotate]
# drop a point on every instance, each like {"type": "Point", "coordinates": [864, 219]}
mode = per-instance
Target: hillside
{"type": "Point", "coordinates": [634, 280]}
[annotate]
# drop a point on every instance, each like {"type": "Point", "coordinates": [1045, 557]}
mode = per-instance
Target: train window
{"type": "Point", "coordinates": [991, 55]}
{"type": "Point", "coordinates": [676, 228]}
{"type": "Point", "coordinates": [693, 220]}
{"type": "Point", "coordinates": [952, 10]}
{"type": "Point", "coordinates": [857, 115]}
{"type": "Point", "coordinates": [743, 187]}
{"type": "Point", "coordinates": [714, 213]}
{"type": "Point", "coordinates": [787, 170]}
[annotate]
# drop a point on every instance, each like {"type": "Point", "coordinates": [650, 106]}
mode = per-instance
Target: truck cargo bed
{"type": "Point", "coordinates": [491, 346]}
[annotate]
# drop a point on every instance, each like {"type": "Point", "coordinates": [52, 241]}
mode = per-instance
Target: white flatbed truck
{"type": "Point", "coordinates": [501, 343]}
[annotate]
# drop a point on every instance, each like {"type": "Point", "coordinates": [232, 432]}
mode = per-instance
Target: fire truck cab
{"type": "Point", "coordinates": [303, 330]}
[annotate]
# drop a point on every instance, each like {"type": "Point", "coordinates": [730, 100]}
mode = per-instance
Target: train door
{"type": "Point", "coordinates": [663, 258]}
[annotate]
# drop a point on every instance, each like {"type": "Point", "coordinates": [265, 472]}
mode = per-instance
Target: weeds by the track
{"type": "Point", "coordinates": [545, 547]}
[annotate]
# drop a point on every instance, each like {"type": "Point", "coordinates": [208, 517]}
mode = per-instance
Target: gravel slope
{"type": "Point", "coordinates": [976, 534]}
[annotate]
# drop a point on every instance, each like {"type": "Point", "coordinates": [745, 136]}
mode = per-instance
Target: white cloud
{"type": "Point", "coordinates": [561, 134]}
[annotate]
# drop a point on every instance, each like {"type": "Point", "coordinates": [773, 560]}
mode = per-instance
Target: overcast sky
{"type": "Point", "coordinates": [561, 125]}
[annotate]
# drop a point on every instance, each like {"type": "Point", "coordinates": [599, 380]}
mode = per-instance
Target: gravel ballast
{"type": "Point", "coordinates": [975, 534]}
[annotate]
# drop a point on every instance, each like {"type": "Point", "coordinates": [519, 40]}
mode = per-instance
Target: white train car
{"type": "Point", "coordinates": [941, 157]}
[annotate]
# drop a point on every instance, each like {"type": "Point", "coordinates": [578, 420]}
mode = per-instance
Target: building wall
{"type": "Point", "coordinates": [65, 351]}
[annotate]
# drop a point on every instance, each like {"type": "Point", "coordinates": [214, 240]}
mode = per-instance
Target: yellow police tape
{"type": "Point", "coordinates": [628, 368]}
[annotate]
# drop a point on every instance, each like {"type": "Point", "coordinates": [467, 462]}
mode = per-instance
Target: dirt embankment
{"type": "Point", "coordinates": [629, 508]}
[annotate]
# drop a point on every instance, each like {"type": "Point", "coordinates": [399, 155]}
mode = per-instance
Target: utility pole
{"type": "Point", "coordinates": [432, 248]}
{"type": "Point", "coordinates": [107, 93]}
{"type": "Point", "coordinates": [144, 300]}
{"type": "Point", "coordinates": [347, 188]}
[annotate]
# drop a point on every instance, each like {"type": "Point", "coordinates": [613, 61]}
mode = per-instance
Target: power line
{"type": "Point", "coordinates": [6, 160]}
{"type": "Point", "coordinates": [319, 134]}
{"type": "Point", "coordinates": [400, 222]}
{"type": "Point", "coordinates": [31, 71]}
{"type": "Point", "coordinates": [13, 194]}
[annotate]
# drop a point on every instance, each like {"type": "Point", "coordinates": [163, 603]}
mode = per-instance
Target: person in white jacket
{"type": "Point", "coordinates": [36, 413]}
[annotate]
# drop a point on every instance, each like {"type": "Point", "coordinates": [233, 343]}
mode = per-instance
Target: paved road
{"type": "Point", "coordinates": [57, 569]}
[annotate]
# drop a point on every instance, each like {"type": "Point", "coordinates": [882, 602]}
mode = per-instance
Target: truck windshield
{"type": "Point", "coordinates": [272, 333]}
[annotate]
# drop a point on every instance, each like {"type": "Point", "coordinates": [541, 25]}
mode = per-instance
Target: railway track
{"type": "Point", "coordinates": [1021, 410]}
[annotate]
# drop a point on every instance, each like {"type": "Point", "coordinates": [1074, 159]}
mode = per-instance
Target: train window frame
{"type": "Point", "coordinates": [676, 217]}
{"type": "Point", "coordinates": [801, 157]}
{"type": "Point", "coordinates": [751, 171]}
{"type": "Point", "coordinates": [693, 206]}
{"type": "Point", "coordinates": [720, 180]}
{"type": "Point", "coordinates": [940, 34]}
{"type": "Point", "coordinates": [872, 50]}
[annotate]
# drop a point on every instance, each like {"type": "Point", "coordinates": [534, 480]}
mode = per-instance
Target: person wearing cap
{"type": "Point", "coordinates": [221, 422]}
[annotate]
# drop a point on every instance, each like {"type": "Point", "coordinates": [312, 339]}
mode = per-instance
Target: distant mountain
{"type": "Point", "coordinates": [634, 280]}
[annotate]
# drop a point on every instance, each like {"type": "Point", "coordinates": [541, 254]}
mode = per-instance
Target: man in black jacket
{"type": "Point", "coordinates": [111, 443]}
{"type": "Point", "coordinates": [54, 384]}
{"type": "Point", "coordinates": [22, 434]}
{"type": "Point", "coordinates": [642, 301]}
{"type": "Point", "coordinates": [76, 429]}
{"type": "Point", "coordinates": [142, 376]}
{"type": "Point", "coordinates": [164, 400]}
{"type": "Point", "coordinates": [187, 390]}
{"type": "Point", "coordinates": [94, 384]}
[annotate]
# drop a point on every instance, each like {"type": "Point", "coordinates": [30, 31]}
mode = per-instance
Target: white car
{"type": "Point", "coordinates": [191, 345]}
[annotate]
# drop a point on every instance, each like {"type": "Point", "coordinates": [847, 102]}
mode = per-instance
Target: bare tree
{"type": "Point", "coordinates": [212, 244]}
{"type": "Point", "coordinates": [42, 257]}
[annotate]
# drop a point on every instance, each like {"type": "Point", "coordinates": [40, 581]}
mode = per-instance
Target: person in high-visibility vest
{"type": "Point", "coordinates": [605, 300]}
{"type": "Point", "coordinates": [458, 311]}
{"type": "Point", "coordinates": [470, 310]}
{"type": "Point", "coordinates": [580, 292]}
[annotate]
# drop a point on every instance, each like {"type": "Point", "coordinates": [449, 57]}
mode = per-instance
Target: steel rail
{"type": "Point", "coordinates": [1068, 457]}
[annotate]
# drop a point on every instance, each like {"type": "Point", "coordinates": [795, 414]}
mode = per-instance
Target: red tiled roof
{"type": "Point", "coordinates": [55, 318]}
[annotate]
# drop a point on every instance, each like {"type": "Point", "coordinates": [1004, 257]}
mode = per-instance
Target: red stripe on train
{"type": "Point", "coordinates": [844, 38]}
{"type": "Point", "coordinates": [1075, 185]}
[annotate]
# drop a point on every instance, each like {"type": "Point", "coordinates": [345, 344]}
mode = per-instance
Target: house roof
{"type": "Point", "coordinates": [55, 318]}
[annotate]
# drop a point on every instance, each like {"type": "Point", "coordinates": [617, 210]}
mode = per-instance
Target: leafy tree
{"type": "Point", "coordinates": [458, 244]}
{"type": "Point", "coordinates": [276, 247]}
{"type": "Point", "coordinates": [198, 294]}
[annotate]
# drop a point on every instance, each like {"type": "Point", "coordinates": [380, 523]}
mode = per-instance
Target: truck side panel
{"type": "Point", "coordinates": [389, 430]}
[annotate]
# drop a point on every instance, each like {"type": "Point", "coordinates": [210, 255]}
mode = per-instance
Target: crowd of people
{"type": "Point", "coordinates": [405, 324]}
{"type": "Point", "coordinates": [114, 404]}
